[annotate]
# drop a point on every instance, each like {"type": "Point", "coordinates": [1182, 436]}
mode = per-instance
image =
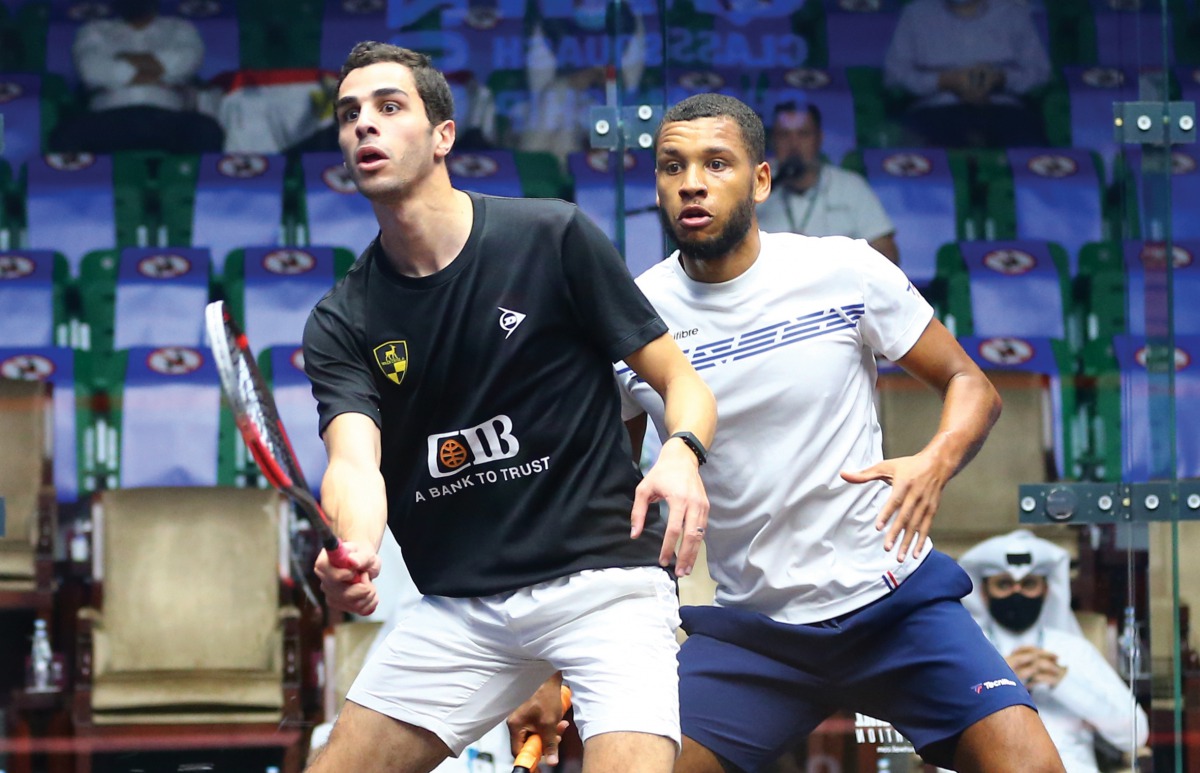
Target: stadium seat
{"type": "Point", "coordinates": [334, 212]}
{"type": "Point", "coordinates": [33, 306]}
{"type": "Point", "coordinates": [828, 90]}
{"type": "Point", "coordinates": [346, 22]}
{"type": "Point", "coordinates": [216, 22]}
{"type": "Point", "coordinates": [154, 662]}
{"type": "Point", "coordinates": [145, 296]}
{"type": "Point", "coordinates": [26, 485]}
{"type": "Point", "coordinates": [858, 32]}
{"type": "Point", "coordinates": [596, 195]}
{"type": "Point", "coordinates": [283, 369]}
{"type": "Point", "coordinates": [738, 82]}
{"type": "Point", "coordinates": [1091, 92]}
{"type": "Point", "coordinates": [71, 204]}
{"type": "Point", "coordinates": [1048, 194]}
{"type": "Point", "coordinates": [1185, 187]}
{"type": "Point", "coordinates": [223, 201]}
{"type": "Point", "coordinates": [1037, 438]}
{"type": "Point", "coordinates": [1129, 36]}
{"type": "Point", "coordinates": [1122, 288]}
{"type": "Point", "coordinates": [166, 420]}
{"type": "Point", "coordinates": [433, 14]}
{"type": "Point", "coordinates": [926, 193]}
{"type": "Point", "coordinates": [492, 172]}
{"type": "Point", "coordinates": [73, 437]}
{"type": "Point", "coordinates": [1143, 400]}
{"type": "Point", "coordinates": [1010, 288]}
{"type": "Point", "coordinates": [21, 106]}
{"type": "Point", "coordinates": [271, 290]}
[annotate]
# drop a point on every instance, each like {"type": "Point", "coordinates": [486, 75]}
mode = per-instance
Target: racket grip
{"type": "Point", "coordinates": [338, 555]}
{"type": "Point", "coordinates": [531, 752]}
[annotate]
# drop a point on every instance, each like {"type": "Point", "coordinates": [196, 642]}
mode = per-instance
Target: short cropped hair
{"type": "Point", "coordinates": [721, 106]}
{"type": "Point", "coordinates": [431, 83]}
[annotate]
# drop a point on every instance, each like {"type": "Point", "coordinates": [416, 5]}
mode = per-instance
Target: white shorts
{"type": "Point", "coordinates": [457, 667]}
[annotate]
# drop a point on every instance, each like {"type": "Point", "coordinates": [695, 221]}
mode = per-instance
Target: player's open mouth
{"type": "Point", "coordinates": [695, 217]}
{"type": "Point", "coordinates": [369, 158]}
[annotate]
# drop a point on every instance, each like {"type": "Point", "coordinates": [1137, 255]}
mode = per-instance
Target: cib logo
{"type": "Point", "coordinates": [452, 452]}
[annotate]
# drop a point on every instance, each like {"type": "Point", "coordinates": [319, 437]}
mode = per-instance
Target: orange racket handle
{"type": "Point", "coordinates": [531, 752]}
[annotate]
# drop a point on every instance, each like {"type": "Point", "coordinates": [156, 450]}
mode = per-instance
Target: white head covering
{"type": "Point", "coordinates": [1018, 554]}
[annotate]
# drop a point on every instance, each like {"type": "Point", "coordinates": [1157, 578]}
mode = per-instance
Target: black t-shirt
{"type": "Point", "coordinates": [504, 455]}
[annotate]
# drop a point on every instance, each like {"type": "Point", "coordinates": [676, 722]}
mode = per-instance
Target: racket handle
{"type": "Point", "coordinates": [531, 751]}
{"type": "Point", "coordinates": [337, 553]}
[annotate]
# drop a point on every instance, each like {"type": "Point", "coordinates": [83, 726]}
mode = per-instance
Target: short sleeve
{"type": "Point", "coordinates": [630, 408]}
{"type": "Point", "coordinates": [606, 301]}
{"type": "Point", "coordinates": [895, 313]}
{"type": "Point", "coordinates": [334, 364]}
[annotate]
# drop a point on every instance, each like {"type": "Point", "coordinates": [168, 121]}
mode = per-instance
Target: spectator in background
{"type": "Point", "coordinates": [559, 98]}
{"type": "Point", "coordinates": [969, 64]}
{"type": "Point", "coordinates": [1022, 601]}
{"type": "Point", "coordinates": [137, 68]}
{"type": "Point", "coordinates": [814, 198]}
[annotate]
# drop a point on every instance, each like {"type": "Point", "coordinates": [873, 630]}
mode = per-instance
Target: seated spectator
{"type": "Point", "coordinates": [1022, 600]}
{"type": "Point", "coordinates": [561, 93]}
{"type": "Point", "coordinates": [810, 196]}
{"type": "Point", "coordinates": [138, 68]}
{"type": "Point", "coordinates": [969, 64]}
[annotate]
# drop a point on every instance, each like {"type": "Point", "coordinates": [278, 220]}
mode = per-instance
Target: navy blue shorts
{"type": "Point", "coordinates": [750, 688]}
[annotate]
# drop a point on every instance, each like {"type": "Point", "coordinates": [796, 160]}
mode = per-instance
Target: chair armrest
{"type": "Point", "coordinates": [86, 620]}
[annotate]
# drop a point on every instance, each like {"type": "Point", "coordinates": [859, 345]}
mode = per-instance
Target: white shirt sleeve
{"type": "Point", "coordinates": [1094, 693]}
{"type": "Point", "coordinates": [872, 219]}
{"type": "Point", "coordinates": [895, 313]}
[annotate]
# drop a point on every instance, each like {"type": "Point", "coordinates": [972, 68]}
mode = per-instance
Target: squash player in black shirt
{"type": "Point", "coordinates": [463, 374]}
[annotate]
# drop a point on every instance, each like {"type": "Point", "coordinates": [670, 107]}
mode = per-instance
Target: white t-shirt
{"type": "Point", "coordinates": [173, 41]}
{"type": "Point", "coordinates": [840, 204]}
{"type": "Point", "coordinates": [788, 350]}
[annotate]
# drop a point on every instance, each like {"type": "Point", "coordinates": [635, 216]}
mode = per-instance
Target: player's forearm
{"type": "Point", "coordinates": [970, 407]}
{"type": "Point", "coordinates": [355, 500]}
{"type": "Point", "coordinates": [688, 405]}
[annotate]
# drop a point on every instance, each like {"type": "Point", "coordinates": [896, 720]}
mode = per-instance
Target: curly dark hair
{"type": "Point", "coordinates": [431, 84]}
{"type": "Point", "coordinates": [720, 106]}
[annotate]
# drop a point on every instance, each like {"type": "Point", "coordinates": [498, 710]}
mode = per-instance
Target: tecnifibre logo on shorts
{"type": "Point", "coordinates": [979, 688]}
{"type": "Point", "coordinates": [452, 452]}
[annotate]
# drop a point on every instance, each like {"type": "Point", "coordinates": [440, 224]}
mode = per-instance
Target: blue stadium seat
{"type": "Point", "coordinates": [1122, 288]}
{"type": "Point", "coordinates": [1141, 401]}
{"type": "Point", "coordinates": [145, 296]}
{"type": "Point", "coordinates": [283, 368]}
{"type": "Point", "coordinates": [21, 106]}
{"type": "Point", "coordinates": [595, 193]}
{"type": "Point", "coordinates": [1058, 196]}
{"type": "Point", "coordinates": [922, 191]}
{"type": "Point", "coordinates": [858, 32]}
{"type": "Point", "coordinates": [1130, 37]}
{"type": "Point", "coordinates": [167, 419]}
{"type": "Point", "coordinates": [485, 171]}
{"type": "Point", "coordinates": [33, 287]}
{"type": "Point", "coordinates": [409, 13]}
{"type": "Point", "coordinates": [1010, 288]}
{"type": "Point", "coordinates": [1091, 92]}
{"type": "Point", "coordinates": [1185, 187]}
{"type": "Point", "coordinates": [335, 213]}
{"type": "Point", "coordinates": [72, 428]}
{"type": "Point", "coordinates": [70, 204]}
{"type": "Point", "coordinates": [347, 22]}
{"type": "Point", "coordinates": [239, 200]}
{"type": "Point", "coordinates": [271, 290]}
{"type": "Point", "coordinates": [738, 82]}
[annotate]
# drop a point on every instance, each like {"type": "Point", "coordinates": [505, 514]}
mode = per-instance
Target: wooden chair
{"type": "Point", "coordinates": [27, 486]}
{"type": "Point", "coordinates": [190, 640]}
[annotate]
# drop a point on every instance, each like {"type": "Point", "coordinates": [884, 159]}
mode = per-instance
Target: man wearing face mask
{"type": "Point", "coordinates": [813, 198]}
{"type": "Point", "coordinates": [137, 68]}
{"type": "Point", "coordinates": [1022, 600]}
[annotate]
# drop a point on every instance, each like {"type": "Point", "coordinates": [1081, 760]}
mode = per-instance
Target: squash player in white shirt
{"type": "Point", "coordinates": [829, 592]}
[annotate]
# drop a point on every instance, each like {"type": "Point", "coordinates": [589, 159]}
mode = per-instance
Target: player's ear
{"type": "Point", "coordinates": [762, 182]}
{"type": "Point", "coordinates": [444, 135]}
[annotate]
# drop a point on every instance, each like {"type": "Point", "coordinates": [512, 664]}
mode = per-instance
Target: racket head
{"type": "Point", "coordinates": [255, 413]}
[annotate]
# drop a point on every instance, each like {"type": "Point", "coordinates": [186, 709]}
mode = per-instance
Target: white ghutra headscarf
{"type": "Point", "coordinates": [1018, 554]}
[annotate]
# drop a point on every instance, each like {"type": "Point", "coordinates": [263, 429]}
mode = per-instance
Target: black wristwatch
{"type": "Point", "coordinates": [693, 443]}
